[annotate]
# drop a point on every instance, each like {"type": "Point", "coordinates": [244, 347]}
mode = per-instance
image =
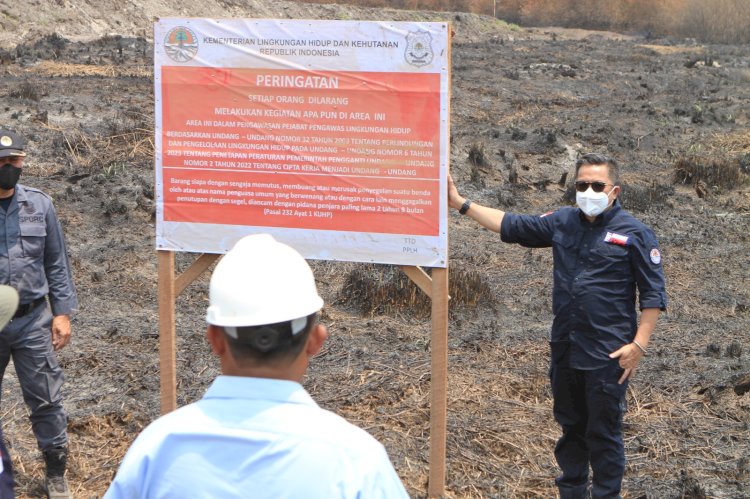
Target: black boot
{"type": "Point", "coordinates": [56, 460]}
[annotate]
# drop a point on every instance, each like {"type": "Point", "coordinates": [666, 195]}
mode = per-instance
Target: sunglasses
{"type": "Point", "coordinates": [582, 186]}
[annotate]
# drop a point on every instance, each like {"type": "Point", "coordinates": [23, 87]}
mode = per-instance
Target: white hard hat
{"type": "Point", "coordinates": [261, 281]}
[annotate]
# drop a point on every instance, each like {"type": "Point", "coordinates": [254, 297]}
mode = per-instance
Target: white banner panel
{"type": "Point", "coordinates": [330, 135]}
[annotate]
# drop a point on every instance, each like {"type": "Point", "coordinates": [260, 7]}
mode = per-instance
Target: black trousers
{"type": "Point", "coordinates": [589, 405]}
{"type": "Point", "coordinates": [28, 341]}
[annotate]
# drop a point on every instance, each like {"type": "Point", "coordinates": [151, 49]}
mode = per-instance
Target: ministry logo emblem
{"type": "Point", "coordinates": [419, 48]}
{"type": "Point", "coordinates": [181, 44]}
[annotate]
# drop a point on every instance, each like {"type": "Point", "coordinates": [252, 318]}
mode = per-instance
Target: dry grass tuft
{"type": "Point", "coordinates": [128, 141]}
{"type": "Point", "coordinates": [379, 289]}
{"type": "Point", "coordinates": [733, 143]}
{"type": "Point", "coordinates": [705, 173]}
{"type": "Point", "coordinates": [27, 90]}
{"type": "Point", "coordinates": [642, 198]}
{"type": "Point", "coordinates": [476, 6]}
{"type": "Point", "coordinates": [673, 49]}
{"type": "Point", "coordinates": [719, 163]}
{"type": "Point", "coordinates": [63, 69]}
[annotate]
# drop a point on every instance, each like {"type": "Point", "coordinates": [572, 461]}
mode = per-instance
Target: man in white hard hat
{"type": "Point", "coordinates": [257, 432]}
{"type": "Point", "coordinates": [8, 307]}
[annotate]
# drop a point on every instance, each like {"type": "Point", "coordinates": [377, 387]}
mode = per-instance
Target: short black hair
{"type": "Point", "coordinates": [270, 343]}
{"type": "Point", "coordinates": [600, 159]}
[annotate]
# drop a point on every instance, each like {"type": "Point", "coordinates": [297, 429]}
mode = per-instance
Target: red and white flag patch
{"type": "Point", "coordinates": [614, 238]}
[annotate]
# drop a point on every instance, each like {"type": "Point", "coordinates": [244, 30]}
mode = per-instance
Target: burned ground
{"type": "Point", "coordinates": [524, 104]}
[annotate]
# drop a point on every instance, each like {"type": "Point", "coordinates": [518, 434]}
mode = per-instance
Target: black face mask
{"type": "Point", "coordinates": [9, 175]}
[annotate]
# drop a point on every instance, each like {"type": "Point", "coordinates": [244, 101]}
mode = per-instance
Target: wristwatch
{"type": "Point", "coordinates": [465, 207]}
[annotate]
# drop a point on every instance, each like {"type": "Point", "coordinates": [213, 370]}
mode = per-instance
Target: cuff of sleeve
{"type": "Point", "coordinates": [659, 302]}
{"type": "Point", "coordinates": [505, 229]}
{"type": "Point", "coordinates": [63, 307]}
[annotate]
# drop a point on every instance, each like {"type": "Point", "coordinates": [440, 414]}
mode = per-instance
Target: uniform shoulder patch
{"type": "Point", "coordinates": [655, 256]}
{"type": "Point", "coordinates": [34, 190]}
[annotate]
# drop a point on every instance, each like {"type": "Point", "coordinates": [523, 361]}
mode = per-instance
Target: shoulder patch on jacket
{"type": "Point", "coordinates": [34, 190]}
{"type": "Point", "coordinates": [655, 256]}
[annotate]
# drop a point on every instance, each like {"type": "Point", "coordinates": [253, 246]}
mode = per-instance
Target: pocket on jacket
{"type": "Point", "coordinates": [32, 239]}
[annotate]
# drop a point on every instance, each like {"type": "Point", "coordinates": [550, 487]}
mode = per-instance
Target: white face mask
{"type": "Point", "coordinates": [592, 203]}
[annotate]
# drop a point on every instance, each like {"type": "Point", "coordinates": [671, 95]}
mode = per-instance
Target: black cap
{"type": "Point", "coordinates": [11, 144]}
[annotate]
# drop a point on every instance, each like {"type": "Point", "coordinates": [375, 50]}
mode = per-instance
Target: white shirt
{"type": "Point", "coordinates": [255, 438]}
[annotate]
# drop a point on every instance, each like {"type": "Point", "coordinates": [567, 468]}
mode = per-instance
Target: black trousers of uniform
{"type": "Point", "coordinates": [28, 340]}
{"type": "Point", "coordinates": [589, 406]}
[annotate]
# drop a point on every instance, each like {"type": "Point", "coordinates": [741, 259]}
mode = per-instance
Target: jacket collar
{"type": "Point", "coordinates": [20, 193]}
{"type": "Point", "coordinates": [605, 217]}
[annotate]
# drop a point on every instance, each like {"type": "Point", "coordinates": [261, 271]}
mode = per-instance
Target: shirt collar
{"type": "Point", "coordinates": [20, 193]}
{"type": "Point", "coordinates": [242, 387]}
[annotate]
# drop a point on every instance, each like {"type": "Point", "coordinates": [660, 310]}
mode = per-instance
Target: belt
{"type": "Point", "coordinates": [25, 308]}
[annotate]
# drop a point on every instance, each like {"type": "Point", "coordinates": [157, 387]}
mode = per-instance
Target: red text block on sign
{"type": "Point", "coordinates": [324, 130]}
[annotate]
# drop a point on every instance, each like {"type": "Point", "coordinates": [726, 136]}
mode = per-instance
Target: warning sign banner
{"type": "Point", "coordinates": [331, 135]}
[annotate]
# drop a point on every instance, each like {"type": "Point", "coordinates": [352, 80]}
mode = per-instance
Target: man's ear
{"type": "Point", "coordinates": [315, 340]}
{"type": "Point", "coordinates": [215, 337]}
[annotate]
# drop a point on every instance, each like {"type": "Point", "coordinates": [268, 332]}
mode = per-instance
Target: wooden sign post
{"type": "Point", "coordinates": [439, 382]}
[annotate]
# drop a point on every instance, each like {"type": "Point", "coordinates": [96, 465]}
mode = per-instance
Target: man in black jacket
{"type": "Point", "coordinates": [601, 256]}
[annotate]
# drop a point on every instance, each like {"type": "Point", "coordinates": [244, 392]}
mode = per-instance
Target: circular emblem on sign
{"type": "Point", "coordinates": [655, 256]}
{"type": "Point", "coordinates": [418, 48]}
{"type": "Point", "coordinates": [6, 141]}
{"type": "Point", "coordinates": [181, 44]}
